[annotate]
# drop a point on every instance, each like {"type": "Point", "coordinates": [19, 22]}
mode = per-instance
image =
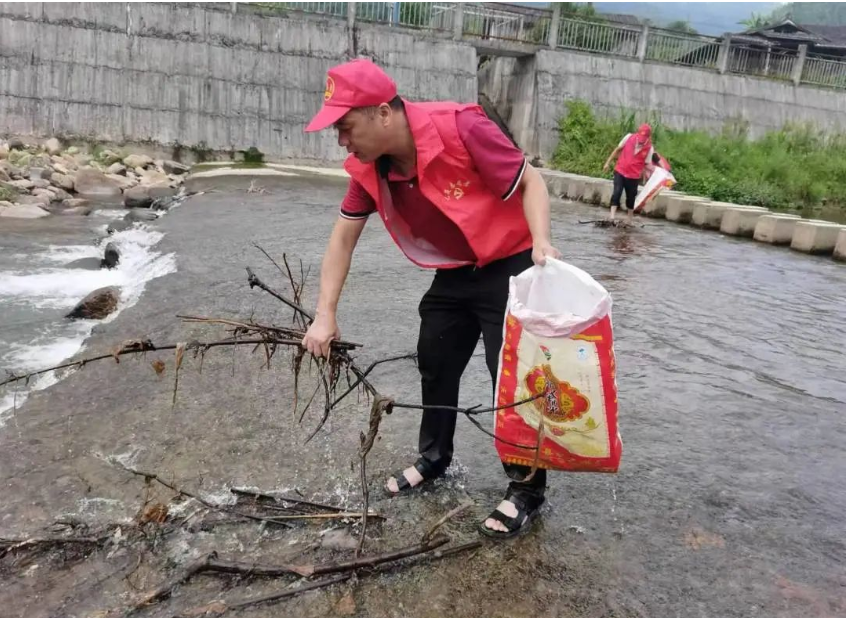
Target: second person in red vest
{"type": "Point", "coordinates": [458, 197]}
{"type": "Point", "coordinates": [633, 153]}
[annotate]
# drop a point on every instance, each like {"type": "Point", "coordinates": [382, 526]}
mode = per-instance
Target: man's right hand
{"type": "Point", "coordinates": [320, 334]}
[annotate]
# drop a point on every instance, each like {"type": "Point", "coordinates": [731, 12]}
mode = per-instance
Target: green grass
{"type": "Point", "coordinates": [796, 167]}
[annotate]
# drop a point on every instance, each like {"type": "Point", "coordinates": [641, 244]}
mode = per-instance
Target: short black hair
{"type": "Point", "coordinates": [655, 158]}
{"type": "Point", "coordinates": [396, 103]}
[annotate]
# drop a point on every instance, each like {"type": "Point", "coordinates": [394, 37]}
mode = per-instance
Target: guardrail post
{"type": "Point", "coordinates": [641, 46]}
{"type": "Point", "coordinates": [351, 50]}
{"type": "Point", "coordinates": [724, 54]}
{"type": "Point", "coordinates": [458, 21]}
{"type": "Point", "coordinates": [799, 65]}
{"type": "Point", "coordinates": [554, 24]}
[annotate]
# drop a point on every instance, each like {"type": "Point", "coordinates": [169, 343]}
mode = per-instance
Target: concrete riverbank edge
{"type": "Point", "coordinates": [810, 236]}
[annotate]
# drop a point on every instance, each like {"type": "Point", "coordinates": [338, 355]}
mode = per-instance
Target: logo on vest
{"type": "Point", "coordinates": [456, 189]}
{"type": "Point", "coordinates": [330, 89]}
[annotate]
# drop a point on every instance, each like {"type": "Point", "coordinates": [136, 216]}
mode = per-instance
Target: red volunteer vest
{"type": "Point", "coordinates": [494, 229]}
{"type": "Point", "coordinates": [630, 164]}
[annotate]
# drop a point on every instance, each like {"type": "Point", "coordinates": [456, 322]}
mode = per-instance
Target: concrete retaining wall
{"type": "Point", "coordinates": [199, 75]}
{"type": "Point", "coordinates": [684, 98]}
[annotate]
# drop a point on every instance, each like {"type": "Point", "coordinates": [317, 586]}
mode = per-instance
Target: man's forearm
{"type": "Point", "coordinates": [336, 267]}
{"type": "Point", "coordinates": [536, 206]}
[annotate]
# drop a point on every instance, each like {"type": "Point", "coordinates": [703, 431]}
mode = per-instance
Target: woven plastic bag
{"type": "Point", "coordinates": [661, 179]}
{"type": "Point", "coordinates": [558, 348]}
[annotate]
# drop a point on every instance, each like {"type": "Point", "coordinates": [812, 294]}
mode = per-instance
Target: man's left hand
{"type": "Point", "coordinates": [542, 251]}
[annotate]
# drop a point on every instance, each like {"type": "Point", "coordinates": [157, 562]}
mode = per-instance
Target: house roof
{"type": "Point", "coordinates": [819, 35]}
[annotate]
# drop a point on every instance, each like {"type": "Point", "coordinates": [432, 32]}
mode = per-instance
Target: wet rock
{"type": "Point", "coordinates": [62, 195]}
{"type": "Point", "coordinates": [117, 169]}
{"type": "Point", "coordinates": [172, 167]}
{"type": "Point", "coordinates": [137, 160]}
{"type": "Point", "coordinates": [97, 305]}
{"type": "Point", "coordinates": [16, 144]}
{"type": "Point", "coordinates": [74, 202]}
{"type": "Point", "coordinates": [108, 157]}
{"type": "Point", "coordinates": [91, 263]}
{"type": "Point", "coordinates": [39, 183]}
{"type": "Point", "coordinates": [124, 182]}
{"type": "Point", "coordinates": [91, 184]}
{"type": "Point", "coordinates": [81, 211]}
{"type": "Point", "coordinates": [52, 146]}
{"type": "Point", "coordinates": [154, 177]}
{"type": "Point", "coordinates": [111, 256]}
{"type": "Point", "coordinates": [137, 197]}
{"type": "Point", "coordinates": [62, 180]}
{"type": "Point", "coordinates": [140, 215]}
{"type": "Point", "coordinates": [161, 190]}
{"type": "Point", "coordinates": [163, 203]}
{"type": "Point", "coordinates": [23, 211]}
{"type": "Point", "coordinates": [33, 200]}
{"type": "Point", "coordinates": [45, 193]}
{"type": "Point", "coordinates": [22, 185]}
{"type": "Point", "coordinates": [118, 226]}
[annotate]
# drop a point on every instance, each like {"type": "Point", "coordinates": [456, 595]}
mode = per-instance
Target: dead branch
{"type": "Point", "coordinates": [380, 405]}
{"type": "Point", "coordinates": [10, 546]}
{"type": "Point", "coordinates": [221, 607]}
{"type": "Point", "coordinates": [166, 589]}
{"type": "Point", "coordinates": [254, 282]}
{"type": "Point", "coordinates": [150, 476]}
{"type": "Point", "coordinates": [459, 509]}
{"type": "Point", "coordinates": [265, 496]}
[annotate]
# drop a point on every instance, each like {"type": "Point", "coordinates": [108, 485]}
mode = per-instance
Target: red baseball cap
{"type": "Point", "coordinates": [358, 83]}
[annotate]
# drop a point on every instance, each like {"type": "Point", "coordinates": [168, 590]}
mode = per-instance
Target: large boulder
{"type": "Point", "coordinates": [118, 226]}
{"type": "Point", "coordinates": [140, 215]}
{"type": "Point", "coordinates": [94, 185]}
{"type": "Point", "coordinates": [4, 175]}
{"type": "Point", "coordinates": [154, 177]}
{"type": "Point", "coordinates": [164, 203]}
{"type": "Point", "coordinates": [22, 185]}
{"type": "Point", "coordinates": [117, 168]}
{"type": "Point", "coordinates": [23, 211]}
{"type": "Point", "coordinates": [16, 144]}
{"type": "Point", "coordinates": [33, 200]}
{"type": "Point", "coordinates": [97, 305]}
{"type": "Point", "coordinates": [4, 150]}
{"type": "Point", "coordinates": [172, 167]}
{"type": "Point", "coordinates": [111, 256]}
{"type": "Point", "coordinates": [52, 146]}
{"type": "Point", "coordinates": [92, 263]}
{"type": "Point", "coordinates": [39, 183]}
{"type": "Point", "coordinates": [137, 197]}
{"type": "Point", "coordinates": [160, 190]}
{"type": "Point", "coordinates": [137, 160]}
{"type": "Point", "coordinates": [61, 194]}
{"type": "Point", "coordinates": [124, 182]}
{"type": "Point", "coordinates": [49, 194]}
{"type": "Point", "coordinates": [62, 180]}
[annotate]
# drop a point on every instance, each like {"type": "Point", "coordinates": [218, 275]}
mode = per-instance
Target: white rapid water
{"type": "Point", "coordinates": [37, 289]}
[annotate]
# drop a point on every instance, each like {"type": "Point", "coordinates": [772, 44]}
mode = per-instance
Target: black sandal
{"type": "Point", "coordinates": [528, 508]}
{"type": "Point", "coordinates": [426, 470]}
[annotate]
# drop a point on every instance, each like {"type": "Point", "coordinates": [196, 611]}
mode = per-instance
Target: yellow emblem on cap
{"type": "Point", "coordinates": [330, 89]}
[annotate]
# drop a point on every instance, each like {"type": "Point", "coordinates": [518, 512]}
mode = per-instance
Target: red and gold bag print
{"type": "Point", "coordinates": [558, 352]}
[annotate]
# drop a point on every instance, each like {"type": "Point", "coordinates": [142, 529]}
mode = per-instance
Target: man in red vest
{"type": "Point", "coordinates": [634, 150]}
{"type": "Point", "coordinates": [456, 196]}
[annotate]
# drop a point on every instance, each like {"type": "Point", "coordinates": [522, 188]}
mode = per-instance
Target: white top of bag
{"type": "Point", "coordinates": [557, 299]}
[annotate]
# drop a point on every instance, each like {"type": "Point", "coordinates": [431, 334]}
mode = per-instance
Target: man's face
{"type": "Point", "coordinates": [362, 132]}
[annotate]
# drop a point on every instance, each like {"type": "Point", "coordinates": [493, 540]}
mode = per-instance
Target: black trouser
{"type": "Point", "coordinates": [462, 304]}
{"type": "Point", "coordinates": [629, 184]}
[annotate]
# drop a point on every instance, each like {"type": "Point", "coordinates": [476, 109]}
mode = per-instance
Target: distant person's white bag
{"type": "Point", "coordinates": [558, 347]}
{"type": "Point", "coordinates": [659, 180]}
